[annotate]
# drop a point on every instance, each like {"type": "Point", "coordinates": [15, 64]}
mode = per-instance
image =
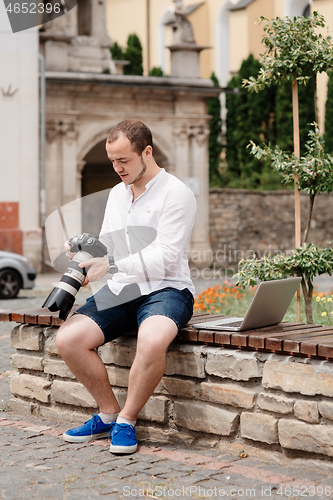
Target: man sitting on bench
{"type": "Point", "coordinates": [151, 290]}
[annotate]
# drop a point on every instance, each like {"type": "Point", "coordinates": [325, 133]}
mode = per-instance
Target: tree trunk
{"type": "Point", "coordinates": [307, 289]}
{"type": "Point", "coordinates": [297, 153]}
{"type": "Point", "coordinates": [307, 229]}
{"type": "Point", "coordinates": [316, 99]}
{"type": "Point", "coordinates": [297, 192]}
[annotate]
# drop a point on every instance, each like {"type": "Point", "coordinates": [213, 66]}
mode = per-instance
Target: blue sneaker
{"type": "Point", "coordinates": [94, 428]}
{"type": "Point", "coordinates": [123, 439]}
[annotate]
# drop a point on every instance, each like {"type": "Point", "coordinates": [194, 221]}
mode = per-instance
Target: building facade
{"type": "Point", "coordinates": [19, 141]}
{"type": "Point", "coordinates": [83, 102]}
{"type": "Point", "coordinates": [55, 148]}
{"type": "Point", "coordinates": [227, 27]}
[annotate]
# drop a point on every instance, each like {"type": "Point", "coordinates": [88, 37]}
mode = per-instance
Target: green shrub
{"type": "Point", "coordinates": [133, 54]}
{"type": "Point", "coordinates": [249, 117]}
{"type": "Point", "coordinates": [117, 52]}
{"type": "Point", "coordinates": [156, 71]}
{"type": "Point", "coordinates": [214, 141]}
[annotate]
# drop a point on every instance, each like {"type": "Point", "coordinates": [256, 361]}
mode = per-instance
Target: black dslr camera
{"type": "Point", "coordinates": [63, 296]}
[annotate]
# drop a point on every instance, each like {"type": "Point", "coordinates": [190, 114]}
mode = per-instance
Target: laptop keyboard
{"type": "Point", "coordinates": [233, 323]}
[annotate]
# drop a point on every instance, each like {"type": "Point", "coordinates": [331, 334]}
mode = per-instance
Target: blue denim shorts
{"type": "Point", "coordinates": [115, 315]}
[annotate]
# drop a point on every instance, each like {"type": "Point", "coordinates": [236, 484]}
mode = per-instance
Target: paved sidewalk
{"type": "Point", "coordinates": [35, 463]}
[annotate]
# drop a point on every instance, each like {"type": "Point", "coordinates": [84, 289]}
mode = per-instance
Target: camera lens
{"type": "Point", "coordinates": [63, 296]}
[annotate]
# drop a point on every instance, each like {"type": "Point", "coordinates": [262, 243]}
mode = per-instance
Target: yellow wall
{"type": "Point", "coordinates": [239, 39]}
{"type": "Point", "coordinates": [125, 17]}
{"type": "Point", "coordinates": [278, 7]}
{"type": "Point", "coordinates": [202, 34]}
{"type": "Point", "coordinates": [129, 16]}
{"type": "Point", "coordinates": [157, 9]}
{"type": "Point", "coordinates": [255, 10]}
{"type": "Point", "coordinates": [326, 9]}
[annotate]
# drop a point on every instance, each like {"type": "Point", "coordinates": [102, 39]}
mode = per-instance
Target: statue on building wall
{"type": "Point", "coordinates": [184, 49]}
{"type": "Point", "coordinates": [181, 26]}
{"type": "Point", "coordinates": [78, 40]}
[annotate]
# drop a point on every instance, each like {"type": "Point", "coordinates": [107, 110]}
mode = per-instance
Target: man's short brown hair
{"type": "Point", "coordinates": [137, 133]}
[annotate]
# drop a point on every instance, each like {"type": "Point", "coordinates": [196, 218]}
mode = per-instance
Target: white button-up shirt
{"type": "Point", "coordinates": [149, 237]}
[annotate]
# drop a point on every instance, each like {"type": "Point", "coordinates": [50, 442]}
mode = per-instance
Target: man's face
{"type": "Point", "coordinates": [130, 166]}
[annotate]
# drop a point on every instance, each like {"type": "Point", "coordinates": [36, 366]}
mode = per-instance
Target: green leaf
{"type": "Point", "coordinates": [293, 46]}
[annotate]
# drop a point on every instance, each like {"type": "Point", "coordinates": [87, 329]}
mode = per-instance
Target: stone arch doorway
{"type": "Point", "coordinates": [97, 178]}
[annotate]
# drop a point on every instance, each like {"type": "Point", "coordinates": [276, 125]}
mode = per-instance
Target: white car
{"type": "Point", "coordinates": [15, 273]}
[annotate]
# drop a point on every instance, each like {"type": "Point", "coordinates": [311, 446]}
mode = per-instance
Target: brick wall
{"type": "Point", "coordinates": [245, 222]}
{"type": "Point", "coordinates": [10, 234]}
{"type": "Point", "coordinates": [208, 394]}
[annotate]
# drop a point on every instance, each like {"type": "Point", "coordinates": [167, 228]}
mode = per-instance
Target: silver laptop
{"type": "Point", "coordinates": [268, 307]}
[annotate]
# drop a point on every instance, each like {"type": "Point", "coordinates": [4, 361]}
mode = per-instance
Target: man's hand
{"type": "Point", "coordinates": [97, 268]}
{"type": "Point", "coordinates": [69, 254]}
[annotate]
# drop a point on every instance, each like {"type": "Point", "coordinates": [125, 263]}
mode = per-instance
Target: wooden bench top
{"type": "Point", "coordinates": [286, 338]}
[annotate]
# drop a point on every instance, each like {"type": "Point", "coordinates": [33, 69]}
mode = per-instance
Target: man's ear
{"type": "Point", "coordinates": [149, 151]}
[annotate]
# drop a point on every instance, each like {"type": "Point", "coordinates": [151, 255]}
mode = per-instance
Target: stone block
{"type": "Point", "coordinates": [235, 365]}
{"type": "Point", "coordinates": [26, 362]}
{"type": "Point", "coordinates": [228, 394]}
{"type": "Point", "coordinates": [58, 368]}
{"type": "Point", "coordinates": [118, 354]}
{"type": "Point", "coordinates": [177, 387]}
{"type": "Point", "coordinates": [50, 331]}
{"type": "Point", "coordinates": [27, 337]}
{"type": "Point", "coordinates": [185, 63]}
{"type": "Point", "coordinates": [296, 435]}
{"type": "Point", "coordinates": [120, 395]}
{"type": "Point", "coordinates": [203, 417]}
{"type": "Point", "coordinates": [154, 410]}
{"type": "Point", "coordinates": [50, 341]}
{"type": "Point", "coordinates": [31, 387]}
{"type": "Point", "coordinates": [72, 393]}
{"type": "Point", "coordinates": [185, 360]}
{"type": "Point", "coordinates": [118, 376]}
{"type": "Point", "coordinates": [304, 378]}
{"type": "Point", "coordinates": [326, 409]}
{"type": "Point", "coordinates": [70, 418]}
{"type": "Point", "coordinates": [275, 403]}
{"type": "Point", "coordinates": [259, 427]}
{"type": "Point", "coordinates": [307, 410]}
{"type": "Point", "coordinates": [57, 55]}
{"type": "Point", "coordinates": [21, 407]}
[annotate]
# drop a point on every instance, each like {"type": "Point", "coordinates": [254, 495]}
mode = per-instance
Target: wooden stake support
{"type": "Point", "coordinates": [297, 153]}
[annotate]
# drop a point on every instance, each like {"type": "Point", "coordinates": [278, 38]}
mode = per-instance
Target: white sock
{"type": "Point", "coordinates": [122, 420]}
{"type": "Point", "coordinates": [107, 418]}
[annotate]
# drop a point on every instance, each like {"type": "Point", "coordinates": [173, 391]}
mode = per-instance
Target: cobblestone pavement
{"type": "Point", "coordinates": [36, 463]}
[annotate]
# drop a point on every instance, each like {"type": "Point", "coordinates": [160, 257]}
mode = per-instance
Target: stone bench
{"type": "Point", "coordinates": [268, 387]}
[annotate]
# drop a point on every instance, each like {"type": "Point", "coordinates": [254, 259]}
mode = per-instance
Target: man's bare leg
{"type": "Point", "coordinates": [76, 340]}
{"type": "Point", "coordinates": [154, 337]}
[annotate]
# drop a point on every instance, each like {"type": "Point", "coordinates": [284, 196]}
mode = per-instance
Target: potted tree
{"type": "Point", "coordinates": [314, 172]}
{"type": "Point", "coordinates": [295, 51]}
